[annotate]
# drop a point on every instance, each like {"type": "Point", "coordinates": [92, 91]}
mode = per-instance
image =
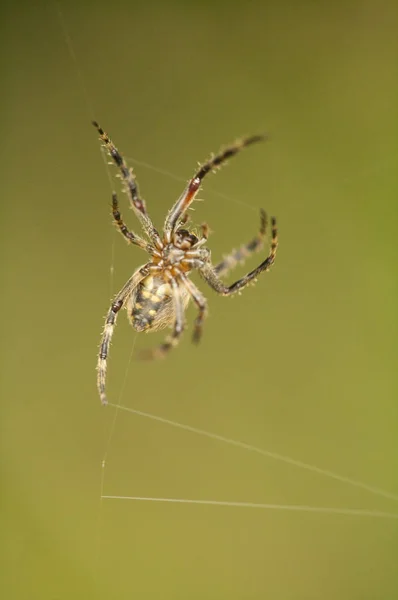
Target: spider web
{"type": "Point", "coordinates": [244, 446]}
{"type": "Point", "coordinates": [225, 440]}
{"type": "Point", "coordinates": [120, 410]}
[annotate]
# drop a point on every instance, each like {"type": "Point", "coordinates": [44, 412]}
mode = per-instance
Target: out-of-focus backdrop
{"type": "Point", "coordinates": [302, 365]}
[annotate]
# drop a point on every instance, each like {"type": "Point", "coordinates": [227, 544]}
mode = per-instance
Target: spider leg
{"type": "Point", "coordinates": [240, 255]}
{"type": "Point", "coordinates": [110, 323]}
{"type": "Point", "coordinates": [200, 302]}
{"type": "Point", "coordinates": [211, 277]}
{"type": "Point", "coordinates": [129, 235]}
{"type": "Point", "coordinates": [172, 340]}
{"type": "Point", "coordinates": [137, 203]}
{"type": "Point", "coordinates": [188, 196]}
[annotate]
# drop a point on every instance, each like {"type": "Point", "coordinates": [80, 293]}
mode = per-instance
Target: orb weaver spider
{"type": "Point", "coordinates": [157, 293]}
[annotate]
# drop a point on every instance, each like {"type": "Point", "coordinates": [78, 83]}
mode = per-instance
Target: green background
{"type": "Point", "coordinates": [303, 364]}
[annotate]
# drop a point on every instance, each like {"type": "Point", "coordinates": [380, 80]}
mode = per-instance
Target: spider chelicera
{"type": "Point", "coordinates": [157, 293]}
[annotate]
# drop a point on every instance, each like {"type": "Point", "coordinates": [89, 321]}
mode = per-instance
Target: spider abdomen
{"type": "Point", "coordinates": [151, 308]}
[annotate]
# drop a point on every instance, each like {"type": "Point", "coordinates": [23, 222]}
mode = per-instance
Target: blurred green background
{"type": "Point", "coordinates": [304, 364]}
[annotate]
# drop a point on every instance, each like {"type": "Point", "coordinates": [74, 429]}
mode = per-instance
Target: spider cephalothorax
{"type": "Point", "coordinates": [157, 294]}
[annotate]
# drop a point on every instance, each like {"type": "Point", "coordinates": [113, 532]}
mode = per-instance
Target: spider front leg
{"type": "Point", "coordinates": [239, 256]}
{"type": "Point", "coordinates": [188, 195]}
{"type": "Point", "coordinates": [211, 277]}
{"type": "Point", "coordinates": [137, 203]}
{"type": "Point", "coordinates": [110, 323]}
{"type": "Point", "coordinates": [200, 302]}
{"type": "Point", "coordinates": [129, 235]}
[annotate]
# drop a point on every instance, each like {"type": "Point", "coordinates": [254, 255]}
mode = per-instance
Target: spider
{"type": "Point", "coordinates": [157, 293]}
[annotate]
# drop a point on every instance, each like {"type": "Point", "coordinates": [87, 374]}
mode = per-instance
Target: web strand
{"type": "Point", "coordinates": [106, 452]}
{"type": "Point", "coordinates": [358, 512]}
{"type": "Point", "coordinates": [286, 459]}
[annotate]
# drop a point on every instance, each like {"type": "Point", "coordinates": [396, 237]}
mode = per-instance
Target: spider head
{"type": "Point", "coordinates": [184, 240]}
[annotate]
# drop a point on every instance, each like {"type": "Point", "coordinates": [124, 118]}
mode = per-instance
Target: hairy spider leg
{"type": "Point", "coordinates": [211, 277]}
{"type": "Point", "coordinates": [129, 235]}
{"type": "Point", "coordinates": [137, 203]}
{"type": "Point", "coordinates": [188, 196]}
{"type": "Point", "coordinates": [230, 261]}
{"type": "Point", "coordinates": [201, 304]}
{"type": "Point", "coordinates": [110, 323]}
